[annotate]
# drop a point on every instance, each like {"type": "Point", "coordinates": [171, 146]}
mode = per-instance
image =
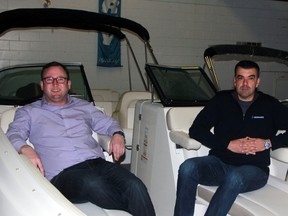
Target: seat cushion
{"type": "Point", "coordinates": [91, 210]}
{"type": "Point", "coordinates": [269, 200]}
{"type": "Point", "coordinates": [6, 118]}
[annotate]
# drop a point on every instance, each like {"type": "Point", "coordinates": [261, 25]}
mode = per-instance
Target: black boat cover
{"type": "Point", "coordinates": [239, 52]}
{"type": "Point", "coordinates": [69, 18]}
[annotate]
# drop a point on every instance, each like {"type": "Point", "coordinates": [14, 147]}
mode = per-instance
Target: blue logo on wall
{"type": "Point", "coordinates": [109, 54]}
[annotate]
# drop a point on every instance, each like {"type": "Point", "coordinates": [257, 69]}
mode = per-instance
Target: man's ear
{"type": "Point", "coordinates": [41, 85]}
{"type": "Point", "coordinates": [258, 82]}
{"type": "Point", "coordinates": [69, 83]}
{"type": "Point", "coordinates": [234, 81]}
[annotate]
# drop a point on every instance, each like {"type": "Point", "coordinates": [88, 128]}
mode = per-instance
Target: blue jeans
{"type": "Point", "coordinates": [211, 171]}
{"type": "Point", "coordinates": [105, 184]}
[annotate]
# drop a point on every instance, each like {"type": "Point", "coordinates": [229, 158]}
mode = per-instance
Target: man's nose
{"type": "Point", "coordinates": [55, 82]}
{"type": "Point", "coordinates": [245, 81]}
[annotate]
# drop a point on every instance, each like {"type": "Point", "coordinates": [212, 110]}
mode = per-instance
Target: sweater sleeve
{"type": "Point", "coordinates": [280, 121]}
{"type": "Point", "coordinates": [203, 126]}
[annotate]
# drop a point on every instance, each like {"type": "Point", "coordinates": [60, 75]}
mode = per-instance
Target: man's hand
{"type": "Point", "coordinates": [117, 146]}
{"type": "Point", "coordinates": [31, 154]}
{"type": "Point", "coordinates": [247, 145]}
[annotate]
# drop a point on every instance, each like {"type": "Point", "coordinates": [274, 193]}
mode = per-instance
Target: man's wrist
{"type": "Point", "coordinates": [121, 133]}
{"type": "Point", "coordinates": [267, 144]}
{"type": "Point", "coordinates": [23, 148]}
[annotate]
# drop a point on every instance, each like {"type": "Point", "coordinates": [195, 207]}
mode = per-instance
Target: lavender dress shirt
{"type": "Point", "coordinates": [61, 135]}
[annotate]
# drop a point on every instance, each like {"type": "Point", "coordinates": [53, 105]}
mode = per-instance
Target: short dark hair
{"type": "Point", "coordinates": [247, 64]}
{"type": "Point", "coordinates": [52, 64]}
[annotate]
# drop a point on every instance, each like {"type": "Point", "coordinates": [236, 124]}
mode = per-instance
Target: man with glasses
{"type": "Point", "coordinates": [60, 128]}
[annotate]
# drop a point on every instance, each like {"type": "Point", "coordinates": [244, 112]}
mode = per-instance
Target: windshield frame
{"type": "Point", "coordinates": [176, 86]}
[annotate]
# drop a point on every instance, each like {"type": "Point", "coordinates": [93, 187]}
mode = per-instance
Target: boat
{"type": "Point", "coordinates": [24, 191]}
{"type": "Point", "coordinates": [160, 136]}
{"type": "Point", "coordinates": [155, 121]}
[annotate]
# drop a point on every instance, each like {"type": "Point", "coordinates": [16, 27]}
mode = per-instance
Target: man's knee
{"type": "Point", "coordinates": [187, 168]}
{"type": "Point", "coordinates": [136, 185]}
{"type": "Point", "coordinates": [93, 184]}
{"type": "Point", "coordinates": [234, 180]}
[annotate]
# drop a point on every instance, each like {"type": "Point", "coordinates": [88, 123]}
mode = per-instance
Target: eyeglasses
{"type": "Point", "coordinates": [50, 80]}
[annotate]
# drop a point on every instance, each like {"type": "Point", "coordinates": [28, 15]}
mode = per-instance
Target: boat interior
{"type": "Point", "coordinates": [156, 122]}
{"type": "Point", "coordinates": [159, 144]}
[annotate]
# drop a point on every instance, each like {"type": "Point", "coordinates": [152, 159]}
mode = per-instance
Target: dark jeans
{"type": "Point", "coordinates": [105, 184]}
{"type": "Point", "coordinates": [210, 170]}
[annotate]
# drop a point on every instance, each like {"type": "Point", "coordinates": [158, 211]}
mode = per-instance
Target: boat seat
{"type": "Point", "coordinates": [31, 90]}
{"type": "Point", "coordinates": [269, 200]}
{"type": "Point", "coordinates": [88, 208]}
{"type": "Point", "coordinates": [280, 154]}
{"type": "Point", "coordinates": [106, 99]}
{"type": "Point", "coordinates": [6, 118]}
{"type": "Point", "coordinates": [124, 114]}
{"type": "Point", "coordinates": [279, 163]}
{"type": "Point", "coordinates": [125, 109]}
{"type": "Point", "coordinates": [178, 125]}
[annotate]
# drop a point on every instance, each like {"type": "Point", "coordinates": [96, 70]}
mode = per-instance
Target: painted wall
{"type": "Point", "coordinates": [180, 31]}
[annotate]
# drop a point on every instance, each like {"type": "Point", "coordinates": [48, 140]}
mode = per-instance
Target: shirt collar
{"type": "Point", "coordinates": [235, 96]}
{"type": "Point", "coordinates": [45, 102]}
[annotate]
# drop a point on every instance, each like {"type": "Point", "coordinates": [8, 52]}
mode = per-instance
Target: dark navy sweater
{"type": "Point", "coordinates": [265, 116]}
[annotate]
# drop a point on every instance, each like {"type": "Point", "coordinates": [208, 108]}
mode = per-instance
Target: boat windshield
{"type": "Point", "coordinates": [181, 86]}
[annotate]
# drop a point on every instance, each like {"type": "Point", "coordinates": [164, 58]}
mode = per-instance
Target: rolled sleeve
{"type": "Point", "coordinates": [18, 130]}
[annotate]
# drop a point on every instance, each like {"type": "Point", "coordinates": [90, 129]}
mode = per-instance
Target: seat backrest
{"type": "Point", "coordinates": [181, 118]}
{"type": "Point", "coordinates": [6, 118]}
{"type": "Point", "coordinates": [31, 90]}
{"type": "Point", "coordinates": [105, 95]}
{"type": "Point", "coordinates": [125, 109]}
{"type": "Point", "coordinates": [106, 98]}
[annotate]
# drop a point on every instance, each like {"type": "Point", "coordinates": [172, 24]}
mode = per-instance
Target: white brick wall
{"type": "Point", "coordinates": [180, 31]}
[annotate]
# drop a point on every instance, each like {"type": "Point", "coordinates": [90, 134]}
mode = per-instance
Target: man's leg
{"type": "Point", "coordinates": [133, 192]}
{"type": "Point", "coordinates": [105, 184]}
{"type": "Point", "coordinates": [80, 182]}
{"type": "Point", "coordinates": [237, 180]}
{"type": "Point", "coordinates": [208, 170]}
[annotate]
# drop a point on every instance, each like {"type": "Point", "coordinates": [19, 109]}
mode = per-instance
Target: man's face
{"type": "Point", "coordinates": [245, 82]}
{"type": "Point", "coordinates": [55, 92]}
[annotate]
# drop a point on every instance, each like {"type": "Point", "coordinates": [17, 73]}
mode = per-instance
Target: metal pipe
{"type": "Point", "coordinates": [212, 72]}
{"type": "Point", "coordinates": [137, 65]}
